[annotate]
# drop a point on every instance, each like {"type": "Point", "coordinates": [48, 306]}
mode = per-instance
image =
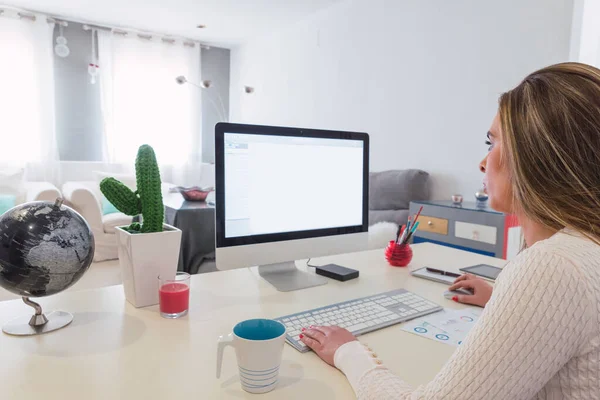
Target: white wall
{"type": "Point", "coordinates": [585, 39]}
{"type": "Point", "coordinates": [421, 77]}
{"type": "Point", "coordinates": [576, 29]}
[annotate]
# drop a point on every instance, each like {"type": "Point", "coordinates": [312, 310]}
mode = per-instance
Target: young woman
{"type": "Point", "coordinates": [539, 334]}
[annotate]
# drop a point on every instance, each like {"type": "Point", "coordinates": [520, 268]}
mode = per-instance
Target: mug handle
{"type": "Point", "coordinates": [224, 341]}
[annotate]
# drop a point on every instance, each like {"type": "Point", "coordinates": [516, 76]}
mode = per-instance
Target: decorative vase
{"type": "Point", "coordinates": [457, 199]}
{"type": "Point", "coordinates": [481, 198]}
{"type": "Point", "coordinates": [145, 256]}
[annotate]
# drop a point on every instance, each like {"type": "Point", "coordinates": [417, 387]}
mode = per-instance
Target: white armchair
{"type": "Point", "coordinates": [85, 197]}
{"type": "Point", "coordinates": [39, 191]}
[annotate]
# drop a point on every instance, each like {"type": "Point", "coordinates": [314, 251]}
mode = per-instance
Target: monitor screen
{"type": "Point", "coordinates": [277, 184]}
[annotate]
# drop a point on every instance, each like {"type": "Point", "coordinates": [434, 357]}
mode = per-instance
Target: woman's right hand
{"type": "Point", "coordinates": [482, 291]}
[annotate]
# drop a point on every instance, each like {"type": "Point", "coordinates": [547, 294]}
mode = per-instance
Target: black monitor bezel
{"type": "Point", "coordinates": [222, 128]}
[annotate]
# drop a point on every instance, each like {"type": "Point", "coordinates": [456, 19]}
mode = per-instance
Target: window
{"type": "Point", "coordinates": [26, 91]}
{"type": "Point", "coordinates": [142, 103]}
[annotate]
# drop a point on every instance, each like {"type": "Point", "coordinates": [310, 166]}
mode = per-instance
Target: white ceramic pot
{"type": "Point", "coordinates": [145, 256]}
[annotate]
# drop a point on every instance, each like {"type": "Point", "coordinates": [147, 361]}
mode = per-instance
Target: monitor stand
{"type": "Point", "coordinates": [286, 277]}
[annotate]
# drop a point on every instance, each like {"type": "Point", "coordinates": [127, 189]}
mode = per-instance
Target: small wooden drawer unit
{"type": "Point", "coordinates": [468, 226]}
{"type": "Point", "coordinates": [433, 225]}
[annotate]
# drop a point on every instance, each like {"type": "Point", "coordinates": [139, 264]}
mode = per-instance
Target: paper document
{"type": "Point", "coordinates": [447, 326]}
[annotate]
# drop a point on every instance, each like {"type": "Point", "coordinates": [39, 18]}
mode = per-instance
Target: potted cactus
{"type": "Point", "coordinates": [150, 248]}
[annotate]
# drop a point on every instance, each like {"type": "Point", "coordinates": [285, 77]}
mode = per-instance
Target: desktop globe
{"type": "Point", "coordinates": [44, 249]}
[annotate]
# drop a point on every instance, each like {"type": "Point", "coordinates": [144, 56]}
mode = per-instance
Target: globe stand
{"type": "Point", "coordinates": [37, 324]}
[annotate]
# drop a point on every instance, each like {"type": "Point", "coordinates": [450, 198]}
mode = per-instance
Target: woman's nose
{"type": "Point", "coordinates": [482, 164]}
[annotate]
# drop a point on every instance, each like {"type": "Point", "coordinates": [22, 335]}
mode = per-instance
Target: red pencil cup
{"type": "Point", "coordinates": [398, 255]}
{"type": "Point", "coordinates": [174, 295]}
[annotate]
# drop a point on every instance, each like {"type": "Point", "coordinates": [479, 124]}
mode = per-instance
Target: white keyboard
{"type": "Point", "coordinates": [359, 316]}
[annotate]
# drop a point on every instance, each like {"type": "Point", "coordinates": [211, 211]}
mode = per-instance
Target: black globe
{"type": "Point", "coordinates": [44, 248]}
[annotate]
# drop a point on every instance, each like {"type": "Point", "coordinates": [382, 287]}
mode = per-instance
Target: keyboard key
{"type": "Point", "coordinates": [357, 327]}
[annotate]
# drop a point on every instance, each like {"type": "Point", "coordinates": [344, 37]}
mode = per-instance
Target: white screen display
{"type": "Point", "coordinates": [276, 184]}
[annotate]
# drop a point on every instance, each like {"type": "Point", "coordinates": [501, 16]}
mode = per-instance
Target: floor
{"type": "Point", "coordinates": [101, 274]}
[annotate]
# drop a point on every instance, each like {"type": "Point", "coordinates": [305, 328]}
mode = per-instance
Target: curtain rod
{"type": "Point", "coordinates": [120, 31]}
{"type": "Point", "coordinates": [147, 36]}
{"type": "Point", "coordinates": [32, 17]}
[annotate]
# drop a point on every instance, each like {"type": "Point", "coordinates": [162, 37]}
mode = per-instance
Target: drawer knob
{"type": "Point", "coordinates": [429, 223]}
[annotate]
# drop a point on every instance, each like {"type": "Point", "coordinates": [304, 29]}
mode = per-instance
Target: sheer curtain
{"type": "Point", "coordinates": [27, 125]}
{"type": "Point", "coordinates": [142, 103]}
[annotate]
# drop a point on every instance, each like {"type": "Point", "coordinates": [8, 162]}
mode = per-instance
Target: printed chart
{"type": "Point", "coordinates": [448, 326]}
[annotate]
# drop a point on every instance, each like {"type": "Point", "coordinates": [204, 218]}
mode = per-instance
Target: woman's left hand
{"type": "Point", "coordinates": [325, 340]}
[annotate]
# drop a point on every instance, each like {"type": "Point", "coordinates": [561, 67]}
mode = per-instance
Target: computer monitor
{"type": "Point", "coordinates": [285, 194]}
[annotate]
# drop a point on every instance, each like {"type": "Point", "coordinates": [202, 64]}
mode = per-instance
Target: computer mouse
{"type": "Point", "coordinates": [449, 294]}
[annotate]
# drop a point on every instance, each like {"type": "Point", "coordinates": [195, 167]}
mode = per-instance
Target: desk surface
{"type": "Point", "coordinates": [115, 351]}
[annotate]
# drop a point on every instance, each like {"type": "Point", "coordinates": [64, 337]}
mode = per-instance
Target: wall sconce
{"type": "Point", "coordinates": [206, 84]}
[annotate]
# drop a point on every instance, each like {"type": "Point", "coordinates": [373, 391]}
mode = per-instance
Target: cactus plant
{"type": "Point", "coordinates": [146, 200]}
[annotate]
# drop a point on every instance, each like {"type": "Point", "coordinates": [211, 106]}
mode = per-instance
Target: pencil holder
{"type": "Point", "coordinates": [398, 255]}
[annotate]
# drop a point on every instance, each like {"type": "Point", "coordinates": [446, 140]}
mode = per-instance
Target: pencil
{"type": "Point", "coordinates": [414, 228]}
{"type": "Point", "coordinates": [400, 230]}
{"type": "Point", "coordinates": [418, 214]}
{"type": "Point", "coordinates": [406, 231]}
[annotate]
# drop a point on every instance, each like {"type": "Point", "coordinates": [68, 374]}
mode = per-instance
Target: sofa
{"type": "Point", "coordinates": [390, 194]}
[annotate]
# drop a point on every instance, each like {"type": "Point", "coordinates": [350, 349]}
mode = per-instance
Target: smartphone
{"type": "Point", "coordinates": [483, 270]}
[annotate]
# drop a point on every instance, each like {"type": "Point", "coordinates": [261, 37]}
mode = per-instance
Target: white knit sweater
{"type": "Point", "coordinates": [538, 337]}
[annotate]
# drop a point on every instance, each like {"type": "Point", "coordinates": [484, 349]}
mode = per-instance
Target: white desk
{"type": "Point", "coordinates": [115, 351]}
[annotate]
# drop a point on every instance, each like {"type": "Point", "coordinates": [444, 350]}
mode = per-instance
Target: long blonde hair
{"type": "Point", "coordinates": [551, 143]}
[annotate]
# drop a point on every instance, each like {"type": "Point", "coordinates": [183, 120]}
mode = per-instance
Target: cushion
{"type": "Point", "coordinates": [111, 221]}
{"type": "Point", "coordinates": [12, 181]}
{"type": "Point", "coordinates": [7, 201]}
{"type": "Point", "coordinates": [126, 179]}
{"type": "Point", "coordinates": [381, 233]}
{"type": "Point", "coordinates": [396, 216]}
{"type": "Point", "coordinates": [394, 190]}
{"type": "Point", "coordinates": [108, 207]}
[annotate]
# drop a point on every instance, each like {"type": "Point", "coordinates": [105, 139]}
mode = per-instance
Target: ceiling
{"type": "Point", "coordinates": [229, 22]}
